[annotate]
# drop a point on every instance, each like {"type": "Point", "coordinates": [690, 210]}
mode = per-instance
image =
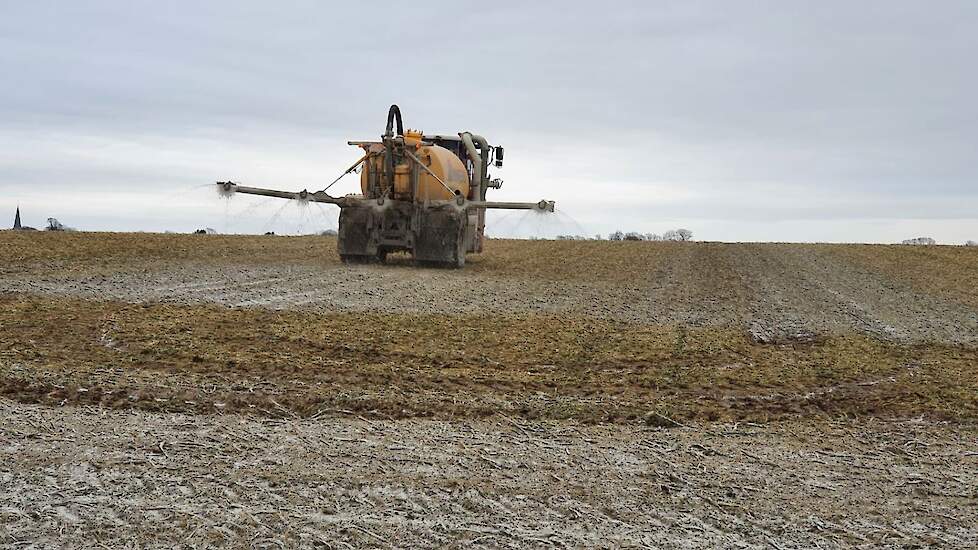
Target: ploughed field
{"type": "Point", "coordinates": [254, 390]}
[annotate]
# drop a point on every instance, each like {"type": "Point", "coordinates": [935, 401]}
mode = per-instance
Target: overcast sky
{"type": "Point", "coordinates": [800, 121]}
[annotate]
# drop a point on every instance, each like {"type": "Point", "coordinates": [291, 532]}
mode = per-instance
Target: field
{"type": "Point", "coordinates": [184, 389]}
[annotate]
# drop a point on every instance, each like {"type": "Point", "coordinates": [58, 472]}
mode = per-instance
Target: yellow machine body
{"type": "Point", "coordinates": [443, 164]}
{"type": "Point", "coordinates": [422, 194]}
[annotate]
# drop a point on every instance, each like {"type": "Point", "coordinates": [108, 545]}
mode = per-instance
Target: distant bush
{"type": "Point", "coordinates": [55, 225]}
{"type": "Point", "coordinates": [671, 235]}
{"type": "Point", "coordinates": [678, 235]}
{"type": "Point", "coordinates": [920, 241]}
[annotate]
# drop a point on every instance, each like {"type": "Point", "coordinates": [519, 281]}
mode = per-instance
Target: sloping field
{"type": "Point", "coordinates": [204, 358]}
{"type": "Point", "coordinates": [592, 331]}
{"type": "Point", "coordinates": [645, 357]}
{"type": "Point", "coordinates": [895, 293]}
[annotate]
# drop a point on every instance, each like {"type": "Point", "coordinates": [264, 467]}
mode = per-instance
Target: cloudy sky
{"type": "Point", "coordinates": [799, 121]}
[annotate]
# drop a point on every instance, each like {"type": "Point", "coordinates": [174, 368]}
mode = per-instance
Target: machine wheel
{"type": "Point", "coordinates": [456, 264]}
{"type": "Point", "coordinates": [355, 259]}
{"type": "Point", "coordinates": [459, 261]}
{"type": "Point", "coordinates": [379, 258]}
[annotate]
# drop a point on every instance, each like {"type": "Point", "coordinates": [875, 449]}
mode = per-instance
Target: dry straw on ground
{"type": "Point", "coordinates": [165, 390]}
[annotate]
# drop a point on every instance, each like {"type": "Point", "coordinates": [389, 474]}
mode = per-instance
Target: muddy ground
{"type": "Point", "coordinates": [83, 477]}
{"type": "Point", "coordinates": [164, 390]}
{"type": "Point", "coordinates": [768, 287]}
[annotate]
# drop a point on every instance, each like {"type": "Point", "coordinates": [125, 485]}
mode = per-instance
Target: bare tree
{"type": "Point", "coordinates": [671, 235]}
{"type": "Point", "coordinates": [920, 241]}
{"type": "Point", "coordinates": [971, 243]}
{"type": "Point", "coordinates": [55, 225]}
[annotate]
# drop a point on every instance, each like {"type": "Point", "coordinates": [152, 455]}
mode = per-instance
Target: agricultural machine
{"type": "Point", "coordinates": [424, 194]}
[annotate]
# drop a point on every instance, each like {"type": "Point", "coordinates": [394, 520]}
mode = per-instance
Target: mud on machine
{"type": "Point", "coordinates": [424, 194]}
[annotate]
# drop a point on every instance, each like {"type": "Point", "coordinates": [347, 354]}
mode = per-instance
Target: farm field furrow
{"type": "Point", "coordinates": [778, 288]}
{"type": "Point", "coordinates": [177, 357]}
{"type": "Point", "coordinates": [174, 479]}
{"type": "Point", "coordinates": [214, 390]}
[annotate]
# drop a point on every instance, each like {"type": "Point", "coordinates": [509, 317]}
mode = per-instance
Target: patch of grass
{"type": "Point", "coordinates": [946, 271]}
{"type": "Point", "coordinates": [206, 358]}
{"type": "Point", "coordinates": [79, 251]}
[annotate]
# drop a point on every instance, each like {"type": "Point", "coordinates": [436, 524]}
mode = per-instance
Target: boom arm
{"type": "Point", "coordinates": [230, 188]}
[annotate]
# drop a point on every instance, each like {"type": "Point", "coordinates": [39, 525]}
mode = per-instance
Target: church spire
{"type": "Point", "coordinates": [17, 219]}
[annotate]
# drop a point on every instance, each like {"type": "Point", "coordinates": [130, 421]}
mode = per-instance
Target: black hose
{"type": "Point", "coordinates": [394, 112]}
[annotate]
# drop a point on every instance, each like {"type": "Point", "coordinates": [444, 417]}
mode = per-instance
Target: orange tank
{"type": "Point", "coordinates": [442, 162]}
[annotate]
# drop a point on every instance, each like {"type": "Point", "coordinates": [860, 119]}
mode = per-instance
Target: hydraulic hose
{"type": "Point", "coordinates": [394, 113]}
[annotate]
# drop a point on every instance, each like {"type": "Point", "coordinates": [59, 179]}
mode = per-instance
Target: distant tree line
{"type": "Point", "coordinates": [671, 235]}
{"type": "Point", "coordinates": [578, 238]}
{"type": "Point", "coordinates": [929, 241]}
{"type": "Point", "coordinates": [920, 241]}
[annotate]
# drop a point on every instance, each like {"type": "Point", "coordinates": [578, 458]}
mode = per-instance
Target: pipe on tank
{"type": "Point", "coordinates": [483, 146]}
{"type": "Point", "coordinates": [480, 160]}
{"type": "Point", "coordinates": [480, 176]}
{"type": "Point", "coordinates": [474, 156]}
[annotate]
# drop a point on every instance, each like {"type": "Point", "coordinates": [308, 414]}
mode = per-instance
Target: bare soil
{"type": "Point", "coordinates": [770, 287]}
{"type": "Point", "coordinates": [82, 477]}
{"type": "Point", "coordinates": [166, 390]}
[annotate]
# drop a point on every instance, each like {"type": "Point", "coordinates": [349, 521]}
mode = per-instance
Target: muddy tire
{"type": "Point", "coordinates": [354, 259]}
